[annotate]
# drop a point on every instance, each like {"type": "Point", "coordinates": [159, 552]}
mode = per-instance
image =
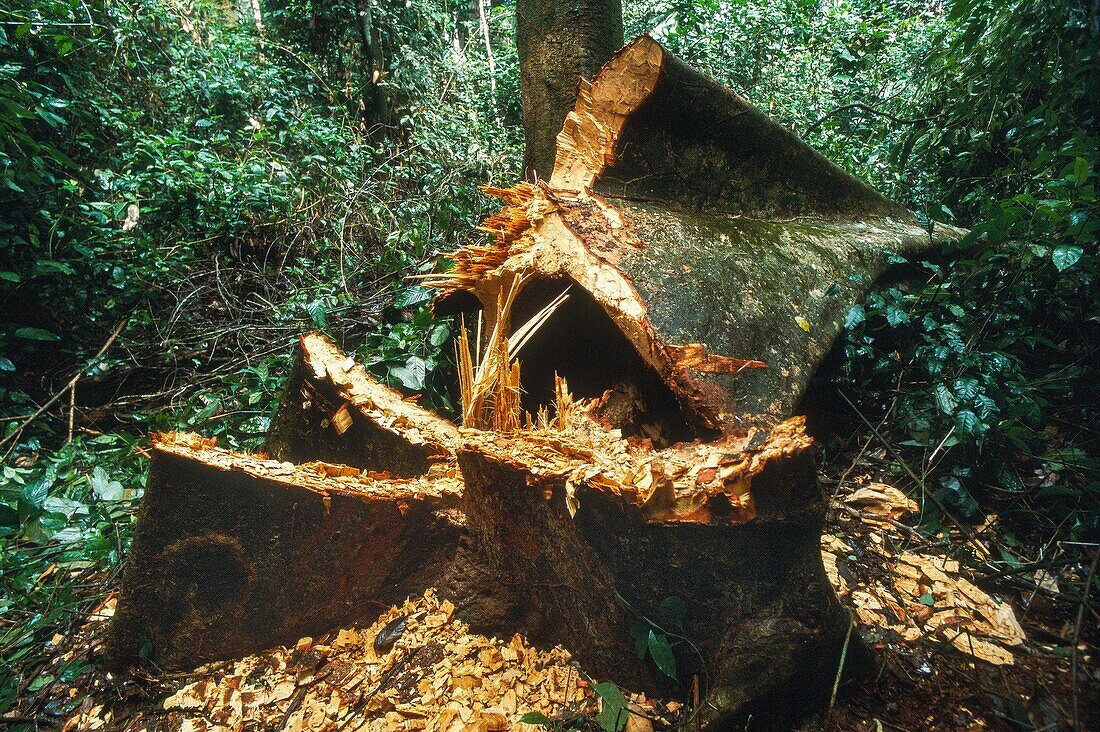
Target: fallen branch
{"type": "Point", "coordinates": [70, 385]}
{"type": "Point", "coordinates": [870, 110]}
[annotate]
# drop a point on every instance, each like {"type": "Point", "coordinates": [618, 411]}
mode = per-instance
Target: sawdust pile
{"type": "Point", "coordinates": [920, 596]}
{"type": "Point", "coordinates": [416, 668]}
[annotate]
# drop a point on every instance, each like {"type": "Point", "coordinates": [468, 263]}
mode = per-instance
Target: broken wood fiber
{"type": "Point", "coordinates": [696, 221]}
{"type": "Point", "coordinates": [332, 410]}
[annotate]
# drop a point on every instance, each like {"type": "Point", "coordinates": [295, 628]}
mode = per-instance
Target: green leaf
{"type": "Point", "coordinates": [10, 276]}
{"type": "Point", "coordinates": [927, 599]}
{"type": "Point", "coordinates": [6, 364]}
{"type": "Point", "coordinates": [36, 334]}
{"type": "Point", "coordinates": [856, 315]}
{"type": "Point", "coordinates": [802, 323]}
{"type": "Point", "coordinates": [104, 488]}
{"type": "Point", "coordinates": [410, 296]}
{"type": "Point", "coordinates": [672, 612]}
{"type": "Point", "coordinates": [33, 496]}
{"type": "Point", "coordinates": [967, 423]}
{"type": "Point", "coordinates": [412, 374]}
{"type": "Point", "coordinates": [317, 312]}
{"type": "Point", "coordinates": [945, 399]}
{"type": "Point", "coordinates": [613, 714]}
{"type": "Point", "coordinates": [439, 335]}
{"type": "Point", "coordinates": [661, 652]}
{"type": "Point", "coordinates": [895, 316]}
{"type": "Point", "coordinates": [1066, 256]}
{"type": "Point", "coordinates": [536, 718]}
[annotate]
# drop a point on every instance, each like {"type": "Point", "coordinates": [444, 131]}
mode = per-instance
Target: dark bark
{"type": "Point", "coordinates": [235, 554]}
{"type": "Point", "coordinates": [559, 41]}
{"type": "Point", "coordinates": [728, 231]}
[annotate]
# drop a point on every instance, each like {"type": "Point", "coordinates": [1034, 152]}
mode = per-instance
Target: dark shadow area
{"type": "Point", "coordinates": [581, 343]}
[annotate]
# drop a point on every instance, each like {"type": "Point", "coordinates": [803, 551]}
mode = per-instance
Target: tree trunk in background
{"type": "Point", "coordinates": [559, 41]}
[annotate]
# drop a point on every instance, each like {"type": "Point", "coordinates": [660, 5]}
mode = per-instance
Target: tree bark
{"type": "Point", "coordinates": [559, 42]}
{"type": "Point", "coordinates": [235, 553]}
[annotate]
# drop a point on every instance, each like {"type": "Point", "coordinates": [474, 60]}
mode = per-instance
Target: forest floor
{"type": "Point", "coordinates": [954, 649]}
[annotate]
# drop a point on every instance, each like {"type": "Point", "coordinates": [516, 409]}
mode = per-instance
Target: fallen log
{"type": "Point", "coordinates": [711, 237]}
{"type": "Point", "coordinates": [687, 264]}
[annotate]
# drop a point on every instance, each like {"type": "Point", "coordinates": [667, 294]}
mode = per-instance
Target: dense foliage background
{"type": "Point", "coordinates": [186, 186]}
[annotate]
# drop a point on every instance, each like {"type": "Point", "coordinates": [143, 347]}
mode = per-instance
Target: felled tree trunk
{"type": "Point", "coordinates": [699, 258]}
{"type": "Point", "coordinates": [705, 232]}
{"type": "Point", "coordinates": [235, 552]}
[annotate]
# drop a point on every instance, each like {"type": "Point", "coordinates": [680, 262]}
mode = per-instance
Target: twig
{"type": "Point", "coordinates": [912, 474]}
{"type": "Point", "coordinates": [71, 385]}
{"type": "Point", "coordinates": [868, 516]}
{"type": "Point", "coordinates": [1077, 637]}
{"type": "Point", "coordinates": [840, 666]}
{"type": "Point", "coordinates": [870, 110]}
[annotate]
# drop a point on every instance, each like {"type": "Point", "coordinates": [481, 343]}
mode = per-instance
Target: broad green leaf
{"type": "Point", "coordinates": [1066, 256]}
{"type": "Point", "coordinates": [104, 488]}
{"type": "Point", "coordinates": [36, 334]}
{"type": "Point", "coordinates": [317, 312]}
{"type": "Point", "coordinates": [440, 333]}
{"type": "Point", "coordinates": [945, 399]}
{"type": "Point", "coordinates": [661, 652]}
{"type": "Point", "coordinates": [855, 316]}
{"type": "Point", "coordinates": [613, 714]}
{"type": "Point", "coordinates": [536, 718]}
{"type": "Point", "coordinates": [895, 316]}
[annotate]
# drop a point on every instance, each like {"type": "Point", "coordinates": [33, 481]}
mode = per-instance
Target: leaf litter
{"type": "Point", "coordinates": [919, 596]}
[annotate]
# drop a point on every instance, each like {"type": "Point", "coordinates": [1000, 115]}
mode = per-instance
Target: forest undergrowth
{"type": "Point", "coordinates": [186, 188]}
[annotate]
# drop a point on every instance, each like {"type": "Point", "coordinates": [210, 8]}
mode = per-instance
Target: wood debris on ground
{"type": "Point", "coordinates": [918, 596]}
{"type": "Point", "coordinates": [416, 668]}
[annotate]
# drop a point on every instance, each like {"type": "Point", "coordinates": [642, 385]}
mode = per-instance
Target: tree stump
{"type": "Point", "coordinates": [707, 257]}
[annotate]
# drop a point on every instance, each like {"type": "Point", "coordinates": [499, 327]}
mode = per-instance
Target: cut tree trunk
{"type": "Point", "coordinates": [692, 220]}
{"type": "Point", "coordinates": [235, 553]}
{"type": "Point", "coordinates": [699, 259]}
{"type": "Point", "coordinates": [332, 410]}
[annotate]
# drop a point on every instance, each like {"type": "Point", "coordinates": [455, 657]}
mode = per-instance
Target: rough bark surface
{"type": "Point", "coordinates": [236, 553]}
{"type": "Point", "coordinates": [700, 226]}
{"type": "Point", "coordinates": [558, 44]}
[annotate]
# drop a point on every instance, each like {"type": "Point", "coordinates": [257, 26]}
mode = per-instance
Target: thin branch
{"type": "Point", "coordinates": [70, 385]}
{"type": "Point", "coordinates": [870, 110]}
{"type": "Point", "coordinates": [1077, 637]}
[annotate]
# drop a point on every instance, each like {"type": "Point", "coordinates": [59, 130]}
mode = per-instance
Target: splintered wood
{"type": "Point", "coordinates": [679, 483]}
{"type": "Point", "coordinates": [441, 481]}
{"type": "Point", "coordinates": [676, 484]}
{"type": "Point", "coordinates": [381, 405]}
{"type": "Point", "coordinates": [416, 668]}
{"type": "Point", "coordinates": [919, 595]}
{"type": "Point", "coordinates": [586, 144]}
